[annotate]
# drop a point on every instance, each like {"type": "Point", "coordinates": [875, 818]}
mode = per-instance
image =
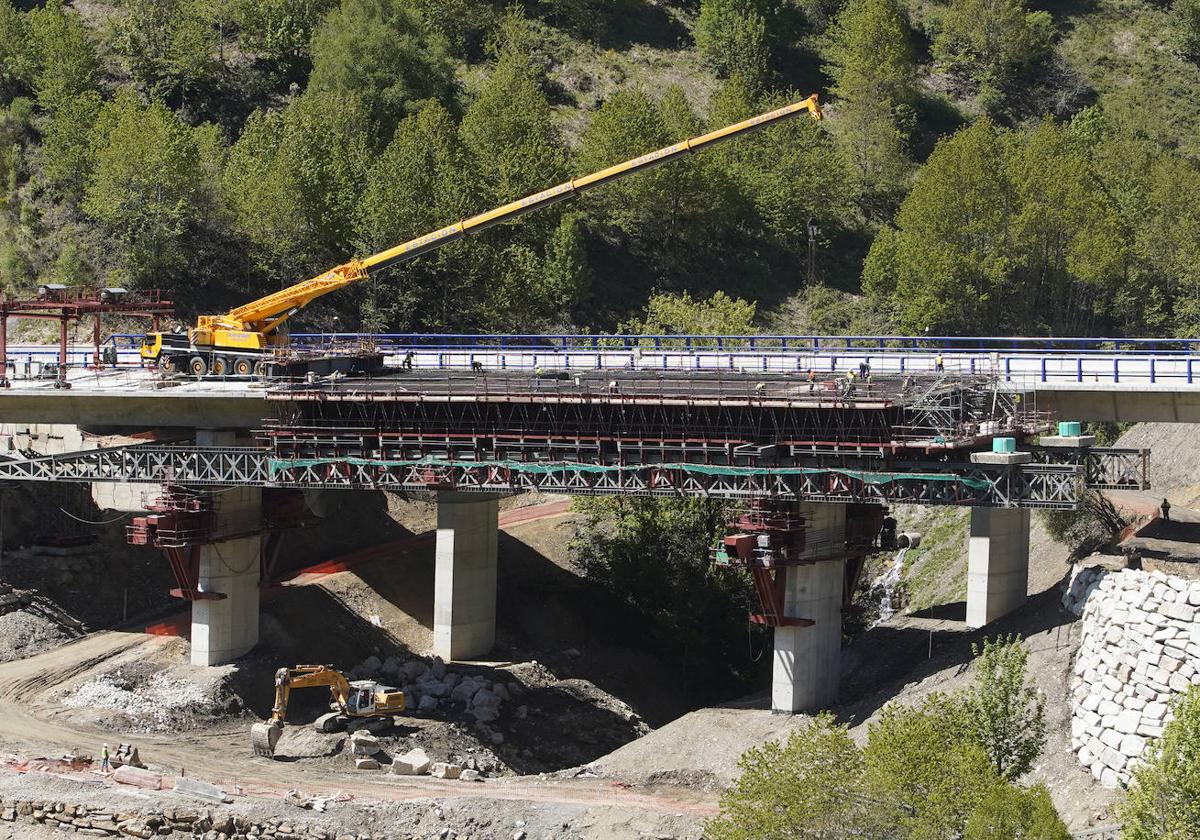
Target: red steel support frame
{"type": "Point", "coordinates": [66, 305]}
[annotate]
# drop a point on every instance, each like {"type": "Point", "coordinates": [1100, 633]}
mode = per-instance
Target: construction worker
{"type": "Point", "coordinates": [408, 360]}
{"type": "Point", "coordinates": [1166, 510]}
{"type": "Point", "coordinates": [939, 364]}
{"type": "Point", "coordinates": [850, 377]}
{"type": "Point", "coordinates": [104, 766]}
{"type": "Point", "coordinates": [812, 380]}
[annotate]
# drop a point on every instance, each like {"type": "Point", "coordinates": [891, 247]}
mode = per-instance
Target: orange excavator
{"type": "Point", "coordinates": [237, 342]}
{"type": "Point", "coordinates": [348, 699]}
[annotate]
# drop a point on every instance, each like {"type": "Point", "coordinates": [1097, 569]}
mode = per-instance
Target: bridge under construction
{"type": "Point", "coordinates": [813, 459]}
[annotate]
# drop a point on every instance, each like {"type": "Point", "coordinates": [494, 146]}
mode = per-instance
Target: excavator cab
{"type": "Point", "coordinates": [362, 698]}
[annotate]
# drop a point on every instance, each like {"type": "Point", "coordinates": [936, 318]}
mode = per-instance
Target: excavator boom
{"type": "Point", "coordinates": [254, 326]}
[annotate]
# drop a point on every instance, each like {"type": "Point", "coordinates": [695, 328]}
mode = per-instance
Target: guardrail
{"type": "Point", "coordinates": [1033, 361]}
{"type": "Point", "coordinates": [766, 343]}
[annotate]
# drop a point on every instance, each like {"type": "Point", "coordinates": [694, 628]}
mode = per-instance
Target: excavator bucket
{"type": "Point", "coordinates": [264, 736]}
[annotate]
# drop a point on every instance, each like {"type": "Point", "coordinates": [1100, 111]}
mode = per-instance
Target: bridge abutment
{"type": "Point", "coordinates": [997, 563]}
{"type": "Point", "coordinates": [225, 628]}
{"type": "Point", "coordinates": [807, 659]}
{"type": "Point", "coordinates": [464, 591]}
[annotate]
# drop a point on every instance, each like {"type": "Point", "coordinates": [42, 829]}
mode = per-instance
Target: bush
{"type": "Point", "coordinates": [1164, 801]}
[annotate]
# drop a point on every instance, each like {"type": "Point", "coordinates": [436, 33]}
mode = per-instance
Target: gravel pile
{"type": "Point", "coordinates": [158, 703]}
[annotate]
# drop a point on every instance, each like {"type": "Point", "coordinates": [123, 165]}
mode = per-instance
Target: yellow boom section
{"type": "Point", "coordinates": [253, 326]}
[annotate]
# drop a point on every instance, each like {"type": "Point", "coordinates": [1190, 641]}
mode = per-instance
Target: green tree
{"type": "Point", "coordinates": [293, 181]}
{"type": "Point", "coordinates": [1009, 812]}
{"type": "Point", "coordinates": [1004, 714]}
{"type": "Point", "coordinates": [874, 71]}
{"type": "Point", "coordinates": [629, 124]}
{"type": "Point", "coordinates": [1164, 800]}
{"type": "Point", "coordinates": [509, 128]}
{"type": "Point", "coordinates": [947, 262]}
{"type": "Point", "coordinates": [18, 61]}
{"type": "Point", "coordinates": [990, 41]}
{"type": "Point", "coordinates": [516, 149]}
{"type": "Point", "coordinates": [921, 760]}
{"type": "Point", "coordinates": [732, 37]}
{"type": "Point", "coordinates": [66, 62]}
{"type": "Point", "coordinates": [280, 30]}
{"type": "Point", "coordinates": [680, 314]}
{"type": "Point", "coordinates": [170, 46]}
{"type": "Point", "coordinates": [154, 179]}
{"type": "Point", "coordinates": [380, 51]}
{"type": "Point", "coordinates": [766, 168]}
{"type": "Point", "coordinates": [694, 612]}
{"type": "Point", "coordinates": [809, 788]}
{"type": "Point", "coordinates": [421, 182]}
{"type": "Point", "coordinates": [67, 150]}
{"type": "Point", "coordinates": [1186, 19]}
{"type": "Point", "coordinates": [920, 776]}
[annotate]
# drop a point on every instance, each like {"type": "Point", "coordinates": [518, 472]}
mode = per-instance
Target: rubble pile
{"type": "Point", "coordinates": [135, 701]}
{"type": "Point", "coordinates": [1140, 648]}
{"type": "Point", "coordinates": [434, 690]}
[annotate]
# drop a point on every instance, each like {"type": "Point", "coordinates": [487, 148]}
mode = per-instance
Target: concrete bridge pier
{"type": "Point", "coordinates": [997, 563]}
{"type": "Point", "coordinates": [807, 659]}
{"type": "Point", "coordinates": [464, 590]}
{"type": "Point", "coordinates": [225, 628]}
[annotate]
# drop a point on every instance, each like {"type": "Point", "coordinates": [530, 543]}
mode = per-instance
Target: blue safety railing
{"type": "Point", "coordinates": [759, 343]}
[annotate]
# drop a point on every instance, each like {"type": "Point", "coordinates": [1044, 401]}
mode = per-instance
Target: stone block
{"type": "Point", "coordinates": [366, 764]}
{"type": "Point", "coordinates": [1185, 613]}
{"type": "Point", "coordinates": [1111, 738]}
{"type": "Point", "coordinates": [138, 778]}
{"type": "Point", "coordinates": [413, 763]}
{"type": "Point", "coordinates": [445, 770]}
{"type": "Point", "coordinates": [1132, 745]}
{"type": "Point", "coordinates": [363, 743]}
{"type": "Point", "coordinates": [469, 776]}
{"type": "Point", "coordinates": [187, 786]}
{"type": "Point", "coordinates": [1127, 722]}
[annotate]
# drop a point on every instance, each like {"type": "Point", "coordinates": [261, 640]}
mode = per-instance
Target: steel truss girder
{"type": "Point", "coordinates": [1105, 468]}
{"type": "Point", "coordinates": [1031, 485]}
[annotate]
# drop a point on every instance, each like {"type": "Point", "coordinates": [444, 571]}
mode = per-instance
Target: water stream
{"type": "Point", "coordinates": [889, 580]}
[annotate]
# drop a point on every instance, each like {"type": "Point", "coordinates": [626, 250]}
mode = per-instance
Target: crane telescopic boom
{"type": "Point", "coordinates": [230, 341]}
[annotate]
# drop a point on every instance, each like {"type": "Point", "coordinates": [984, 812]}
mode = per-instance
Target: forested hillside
{"type": "Point", "coordinates": [987, 165]}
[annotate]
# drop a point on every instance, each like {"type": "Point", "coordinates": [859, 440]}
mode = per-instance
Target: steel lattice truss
{"type": "Point", "coordinates": [1104, 469]}
{"type": "Point", "coordinates": [1046, 485]}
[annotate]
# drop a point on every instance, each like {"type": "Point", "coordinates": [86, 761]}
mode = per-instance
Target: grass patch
{"type": "Point", "coordinates": [936, 572]}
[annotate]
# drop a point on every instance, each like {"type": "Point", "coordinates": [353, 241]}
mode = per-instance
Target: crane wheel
{"type": "Point", "coordinates": [220, 366]}
{"type": "Point", "coordinates": [243, 367]}
{"type": "Point", "coordinates": [167, 364]}
{"type": "Point", "coordinates": [264, 737]}
{"type": "Point", "coordinates": [198, 367]}
{"type": "Point", "coordinates": [260, 368]}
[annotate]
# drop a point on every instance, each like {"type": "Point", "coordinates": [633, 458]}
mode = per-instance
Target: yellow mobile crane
{"type": "Point", "coordinates": [236, 341]}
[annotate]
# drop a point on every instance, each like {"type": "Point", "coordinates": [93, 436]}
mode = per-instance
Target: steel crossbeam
{"type": "Point", "coordinates": [1041, 485]}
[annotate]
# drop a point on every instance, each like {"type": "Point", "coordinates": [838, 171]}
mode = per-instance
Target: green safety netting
{"type": "Point", "coordinates": [277, 465]}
